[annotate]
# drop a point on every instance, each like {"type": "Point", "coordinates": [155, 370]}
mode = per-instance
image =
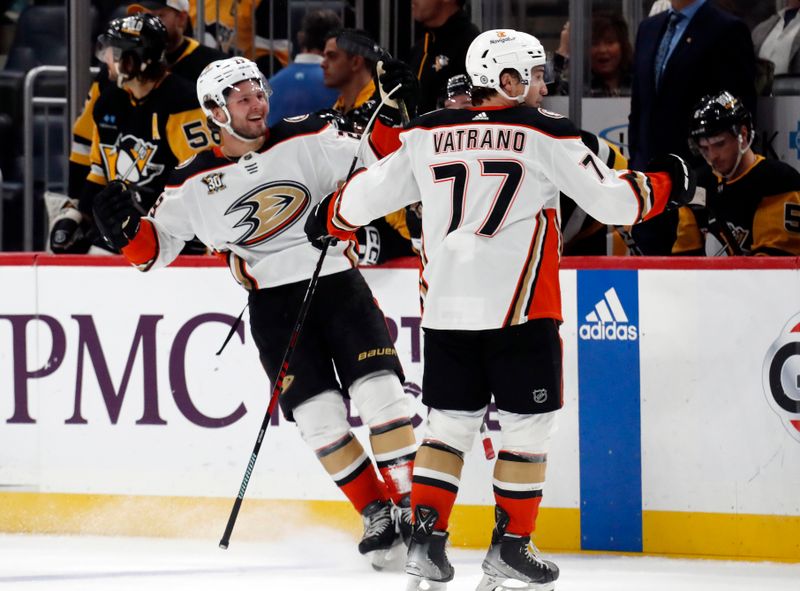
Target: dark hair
{"type": "Point", "coordinates": [611, 24]}
{"type": "Point", "coordinates": [317, 25]}
{"type": "Point", "coordinates": [483, 93]}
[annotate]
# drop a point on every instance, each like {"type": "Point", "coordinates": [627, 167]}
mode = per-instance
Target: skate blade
{"type": "Point", "coordinates": [500, 583]}
{"type": "Point", "coordinates": [419, 584]}
{"type": "Point", "coordinates": [393, 558]}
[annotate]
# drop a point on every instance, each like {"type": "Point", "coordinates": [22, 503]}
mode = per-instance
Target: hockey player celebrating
{"type": "Point", "coordinates": [248, 199]}
{"type": "Point", "coordinates": [489, 179]}
{"type": "Point", "coordinates": [752, 204]}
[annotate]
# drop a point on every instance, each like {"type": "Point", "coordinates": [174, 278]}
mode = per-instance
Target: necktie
{"type": "Point", "coordinates": [666, 41]}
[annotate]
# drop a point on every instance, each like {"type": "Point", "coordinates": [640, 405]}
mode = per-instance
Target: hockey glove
{"type": "Point", "coordinates": [391, 74]}
{"type": "Point", "coordinates": [318, 225]}
{"type": "Point", "coordinates": [683, 178]}
{"type": "Point", "coordinates": [69, 231]}
{"type": "Point", "coordinates": [117, 214]}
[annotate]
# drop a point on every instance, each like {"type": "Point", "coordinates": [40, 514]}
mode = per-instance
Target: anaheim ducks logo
{"type": "Point", "coordinates": [269, 210]}
{"type": "Point", "coordinates": [131, 160]}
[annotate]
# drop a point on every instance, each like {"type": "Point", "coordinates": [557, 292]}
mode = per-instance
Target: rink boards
{"type": "Point", "coordinates": [680, 432]}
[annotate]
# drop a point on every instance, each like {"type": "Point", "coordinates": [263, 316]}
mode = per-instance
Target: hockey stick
{"type": "Point", "coordinates": [287, 357]}
{"type": "Point", "coordinates": [629, 241]}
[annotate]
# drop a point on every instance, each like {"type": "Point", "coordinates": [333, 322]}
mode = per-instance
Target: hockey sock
{"type": "Point", "coordinates": [394, 446]}
{"type": "Point", "coordinates": [352, 471]}
{"type": "Point", "coordinates": [437, 473]}
{"type": "Point", "coordinates": [518, 481]}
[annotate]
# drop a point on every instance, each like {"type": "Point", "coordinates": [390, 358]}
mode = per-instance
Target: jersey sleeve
{"type": "Point", "coordinates": [373, 192]}
{"type": "Point", "coordinates": [689, 240]}
{"type": "Point", "coordinates": [188, 133]}
{"type": "Point", "coordinates": [612, 197]}
{"type": "Point", "coordinates": [162, 233]}
{"type": "Point", "coordinates": [97, 171]}
{"type": "Point", "coordinates": [82, 129]}
{"type": "Point", "coordinates": [776, 225]}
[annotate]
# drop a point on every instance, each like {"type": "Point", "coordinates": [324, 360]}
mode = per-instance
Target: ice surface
{"type": "Point", "coordinates": [325, 559]}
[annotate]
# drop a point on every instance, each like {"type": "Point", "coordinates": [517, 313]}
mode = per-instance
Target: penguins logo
{"type": "Point", "coordinates": [131, 160]}
{"type": "Point", "coordinates": [781, 377]}
{"type": "Point", "coordinates": [269, 210]}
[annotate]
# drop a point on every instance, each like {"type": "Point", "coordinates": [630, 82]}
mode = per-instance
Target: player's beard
{"type": "Point", "coordinates": [251, 131]}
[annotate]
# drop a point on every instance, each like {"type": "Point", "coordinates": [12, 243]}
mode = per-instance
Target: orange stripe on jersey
{"type": "Point", "coordinates": [661, 186]}
{"type": "Point", "coordinates": [143, 249]}
{"type": "Point", "coordinates": [545, 300]}
{"type": "Point", "coordinates": [515, 310]}
{"type": "Point", "coordinates": [384, 139]}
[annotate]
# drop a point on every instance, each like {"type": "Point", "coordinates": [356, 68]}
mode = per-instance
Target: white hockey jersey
{"type": "Point", "coordinates": [253, 209]}
{"type": "Point", "coordinates": [489, 182]}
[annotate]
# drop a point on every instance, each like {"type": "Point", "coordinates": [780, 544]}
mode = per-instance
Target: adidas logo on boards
{"type": "Point", "coordinates": [608, 321]}
{"type": "Point", "coordinates": [481, 117]}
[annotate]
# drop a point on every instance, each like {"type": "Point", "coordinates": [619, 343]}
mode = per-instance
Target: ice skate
{"type": "Point", "coordinates": [403, 516]}
{"type": "Point", "coordinates": [381, 541]}
{"type": "Point", "coordinates": [427, 562]}
{"type": "Point", "coordinates": [513, 562]}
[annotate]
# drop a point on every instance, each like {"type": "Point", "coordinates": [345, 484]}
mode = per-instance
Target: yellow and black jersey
{"type": "Point", "coordinates": [231, 27]}
{"type": "Point", "coordinates": [756, 213]}
{"type": "Point", "coordinates": [187, 61]}
{"type": "Point", "coordinates": [190, 58]}
{"type": "Point", "coordinates": [79, 157]}
{"type": "Point", "coordinates": [142, 141]}
{"type": "Point", "coordinates": [582, 234]}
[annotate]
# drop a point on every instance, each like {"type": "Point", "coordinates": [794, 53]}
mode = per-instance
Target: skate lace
{"type": "Point", "coordinates": [377, 523]}
{"type": "Point", "coordinates": [531, 554]}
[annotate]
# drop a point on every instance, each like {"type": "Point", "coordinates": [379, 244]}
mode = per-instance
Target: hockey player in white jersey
{"type": "Point", "coordinates": [489, 179]}
{"type": "Point", "coordinates": [247, 200]}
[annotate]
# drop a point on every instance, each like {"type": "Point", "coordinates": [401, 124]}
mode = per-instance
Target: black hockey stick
{"type": "Point", "coordinates": [287, 357]}
{"type": "Point", "coordinates": [276, 390]}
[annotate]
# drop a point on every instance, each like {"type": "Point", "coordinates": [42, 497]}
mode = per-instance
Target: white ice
{"type": "Point", "coordinates": [327, 560]}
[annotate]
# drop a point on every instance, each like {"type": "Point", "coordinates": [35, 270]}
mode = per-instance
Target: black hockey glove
{"type": "Point", "coordinates": [684, 180]}
{"type": "Point", "coordinates": [393, 73]}
{"type": "Point", "coordinates": [318, 227]}
{"type": "Point", "coordinates": [117, 213]}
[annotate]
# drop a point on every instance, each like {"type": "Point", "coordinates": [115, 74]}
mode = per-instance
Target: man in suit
{"type": "Point", "coordinates": [776, 39]}
{"type": "Point", "coordinates": [691, 50]}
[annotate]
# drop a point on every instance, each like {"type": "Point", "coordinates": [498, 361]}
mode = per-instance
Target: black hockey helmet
{"type": "Point", "coordinates": [458, 84]}
{"type": "Point", "coordinates": [716, 114]}
{"type": "Point", "coordinates": [138, 43]}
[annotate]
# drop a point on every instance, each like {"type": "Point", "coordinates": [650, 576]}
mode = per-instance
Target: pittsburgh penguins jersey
{"type": "Point", "coordinates": [489, 181]}
{"type": "Point", "coordinates": [142, 141]}
{"type": "Point", "coordinates": [254, 208]}
{"type": "Point", "coordinates": [187, 61]}
{"type": "Point", "coordinates": [758, 212]}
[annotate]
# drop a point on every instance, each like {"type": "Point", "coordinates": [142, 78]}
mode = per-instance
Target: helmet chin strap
{"type": "Point", "coordinates": [519, 99]}
{"type": "Point", "coordinates": [229, 128]}
{"type": "Point", "coordinates": [742, 151]}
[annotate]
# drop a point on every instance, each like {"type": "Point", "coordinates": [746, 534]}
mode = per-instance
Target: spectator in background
{"type": "Point", "coordinates": [348, 69]}
{"type": "Point", "coordinates": [299, 87]}
{"type": "Point", "coordinates": [441, 53]}
{"type": "Point", "coordinates": [348, 65]}
{"type": "Point", "coordinates": [185, 57]}
{"type": "Point", "coordinates": [611, 57]}
{"type": "Point", "coordinates": [681, 55]}
{"type": "Point", "coordinates": [776, 39]}
{"type": "Point", "coordinates": [752, 205]}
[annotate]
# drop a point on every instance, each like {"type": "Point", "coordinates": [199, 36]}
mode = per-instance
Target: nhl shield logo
{"type": "Point", "coordinates": [781, 377]}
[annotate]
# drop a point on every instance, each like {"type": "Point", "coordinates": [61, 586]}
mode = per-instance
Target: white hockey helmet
{"type": "Point", "coordinates": [493, 51]}
{"type": "Point", "coordinates": [221, 76]}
